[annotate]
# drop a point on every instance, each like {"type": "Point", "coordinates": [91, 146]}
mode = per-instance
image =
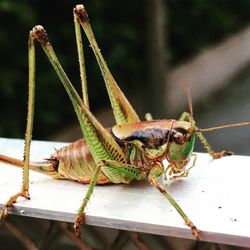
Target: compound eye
{"type": "Point", "coordinates": [179, 138]}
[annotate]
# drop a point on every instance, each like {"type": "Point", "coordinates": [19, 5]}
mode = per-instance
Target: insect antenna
{"type": "Point", "coordinates": [223, 126]}
{"type": "Point", "coordinates": [186, 88]}
{"type": "Point", "coordinates": [188, 116]}
{"type": "Point", "coordinates": [190, 103]}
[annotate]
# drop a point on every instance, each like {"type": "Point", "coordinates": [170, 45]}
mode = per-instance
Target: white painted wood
{"type": "Point", "coordinates": [215, 196]}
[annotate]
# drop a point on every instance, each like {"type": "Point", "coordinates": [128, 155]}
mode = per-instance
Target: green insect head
{"type": "Point", "coordinates": [180, 150]}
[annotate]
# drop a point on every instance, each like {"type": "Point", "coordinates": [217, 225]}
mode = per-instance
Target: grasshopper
{"type": "Point", "coordinates": [130, 150]}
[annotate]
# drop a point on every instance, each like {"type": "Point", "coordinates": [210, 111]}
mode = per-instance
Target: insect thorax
{"type": "Point", "coordinates": [136, 157]}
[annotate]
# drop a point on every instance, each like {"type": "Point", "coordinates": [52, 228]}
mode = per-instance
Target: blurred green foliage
{"type": "Point", "coordinates": [120, 28]}
{"type": "Point", "coordinates": [195, 25]}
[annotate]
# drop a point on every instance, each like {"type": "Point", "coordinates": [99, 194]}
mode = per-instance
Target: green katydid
{"type": "Point", "coordinates": [130, 150]}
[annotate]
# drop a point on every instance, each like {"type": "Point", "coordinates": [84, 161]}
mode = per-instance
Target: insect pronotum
{"type": "Point", "coordinates": [130, 150]}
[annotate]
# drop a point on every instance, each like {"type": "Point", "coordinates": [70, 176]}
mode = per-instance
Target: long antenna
{"type": "Point", "coordinates": [190, 104]}
{"type": "Point", "coordinates": [186, 87]}
{"type": "Point", "coordinates": [223, 126]}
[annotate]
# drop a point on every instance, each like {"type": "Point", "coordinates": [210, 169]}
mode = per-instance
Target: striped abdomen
{"type": "Point", "coordinates": [75, 162]}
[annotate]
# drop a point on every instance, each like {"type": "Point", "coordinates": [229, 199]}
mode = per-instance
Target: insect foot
{"type": "Point", "coordinates": [79, 220]}
{"type": "Point", "coordinates": [3, 213]}
{"type": "Point", "coordinates": [11, 201]}
{"type": "Point", "coordinates": [222, 154]}
{"type": "Point", "coordinates": [195, 230]}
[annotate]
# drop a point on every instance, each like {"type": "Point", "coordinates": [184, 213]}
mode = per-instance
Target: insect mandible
{"type": "Point", "coordinates": [130, 150]}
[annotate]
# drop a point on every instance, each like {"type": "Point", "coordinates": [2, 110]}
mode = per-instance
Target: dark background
{"type": "Point", "coordinates": [121, 30]}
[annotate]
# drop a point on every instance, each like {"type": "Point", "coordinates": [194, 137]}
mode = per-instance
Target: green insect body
{"type": "Point", "coordinates": [130, 150]}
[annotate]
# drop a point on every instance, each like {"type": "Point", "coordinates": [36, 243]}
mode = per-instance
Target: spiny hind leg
{"type": "Point", "coordinates": [29, 126]}
{"type": "Point", "coordinates": [122, 109]}
{"type": "Point", "coordinates": [81, 61]}
{"type": "Point", "coordinates": [39, 34]}
{"type": "Point", "coordinates": [100, 142]}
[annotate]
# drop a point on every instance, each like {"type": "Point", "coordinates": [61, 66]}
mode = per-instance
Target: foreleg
{"type": "Point", "coordinates": [155, 173]}
{"type": "Point", "coordinates": [209, 149]}
{"type": "Point", "coordinates": [187, 117]}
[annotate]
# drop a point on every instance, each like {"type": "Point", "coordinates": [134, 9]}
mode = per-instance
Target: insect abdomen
{"type": "Point", "coordinates": [75, 162]}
